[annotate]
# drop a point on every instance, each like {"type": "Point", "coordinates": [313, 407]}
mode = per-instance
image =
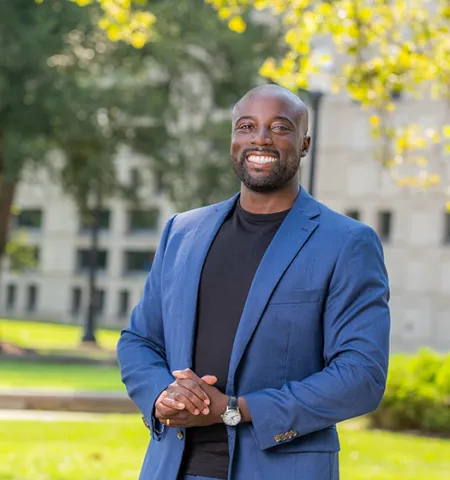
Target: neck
{"type": "Point", "coordinates": [269, 202]}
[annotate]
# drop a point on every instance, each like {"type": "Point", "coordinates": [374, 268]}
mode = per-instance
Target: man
{"type": "Point", "coordinates": [264, 320]}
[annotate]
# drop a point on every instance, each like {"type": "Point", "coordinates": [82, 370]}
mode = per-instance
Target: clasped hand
{"type": "Point", "coordinates": [191, 401]}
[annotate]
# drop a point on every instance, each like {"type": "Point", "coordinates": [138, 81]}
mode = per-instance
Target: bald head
{"type": "Point", "coordinates": [275, 92]}
{"type": "Point", "coordinates": [269, 139]}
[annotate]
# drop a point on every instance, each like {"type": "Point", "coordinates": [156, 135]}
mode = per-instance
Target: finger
{"type": "Point", "coordinates": [161, 396]}
{"type": "Point", "coordinates": [209, 379]}
{"type": "Point", "coordinates": [165, 412]}
{"type": "Point", "coordinates": [196, 390]}
{"type": "Point", "coordinates": [172, 403]}
{"type": "Point", "coordinates": [190, 375]}
{"type": "Point", "coordinates": [192, 403]}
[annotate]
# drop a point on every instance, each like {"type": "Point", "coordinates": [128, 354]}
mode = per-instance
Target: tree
{"type": "Point", "coordinates": [32, 36]}
{"type": "Point", "coordinates": [207, 68]}
{"type": "Point", "coordinates": [383, 49]}
{"type": "Point", "coordinates": [198, 70]}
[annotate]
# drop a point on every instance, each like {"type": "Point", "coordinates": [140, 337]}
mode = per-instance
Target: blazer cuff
{"type": "Point", "coordinates": [151, 422]}
{"type": "Point", "coordinates": [157, 427]}
{"type": "Point", "coordinates": [267, 430]}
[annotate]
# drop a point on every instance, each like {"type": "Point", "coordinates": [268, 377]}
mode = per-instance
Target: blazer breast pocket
{"type": "Point", "coordinates": [285, 297]}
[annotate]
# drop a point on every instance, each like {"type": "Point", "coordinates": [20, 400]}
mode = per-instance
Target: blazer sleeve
{"type": "Point", "coordinates": [141, 349]}
{"type": "Point", "coordinates": [356, 322]}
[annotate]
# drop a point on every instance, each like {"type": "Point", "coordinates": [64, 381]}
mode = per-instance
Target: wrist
{"type": "Point", "coordinates": [245, 412]}
{"type": "Point", "coordinates": [221, 407]}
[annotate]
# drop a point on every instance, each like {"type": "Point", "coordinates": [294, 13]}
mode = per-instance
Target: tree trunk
{"type": "Point", "coordinates": [91, 319]}
{"type": "Point", "coordinates": [7, 191]}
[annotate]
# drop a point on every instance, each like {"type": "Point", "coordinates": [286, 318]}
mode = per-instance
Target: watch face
{"type": "Point", "coordinates": [231, 417]}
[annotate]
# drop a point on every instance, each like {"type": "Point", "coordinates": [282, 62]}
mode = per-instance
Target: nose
{"type": "Point", "coordinates": [261, 136]}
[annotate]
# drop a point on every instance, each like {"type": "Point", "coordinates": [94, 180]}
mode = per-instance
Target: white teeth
{"type": "Point", "coordinates": [260, 159]}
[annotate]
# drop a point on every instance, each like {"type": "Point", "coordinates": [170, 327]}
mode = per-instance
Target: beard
{"type": "Point", "coordinates": [281, 173]}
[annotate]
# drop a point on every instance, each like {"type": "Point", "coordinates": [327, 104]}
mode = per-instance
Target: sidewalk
{"type": "Point", "coordinates": [50, 416]}
{"type": "Point", "coordinates": [64, 400]}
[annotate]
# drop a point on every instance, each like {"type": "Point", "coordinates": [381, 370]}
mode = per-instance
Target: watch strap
{"type": "Point", "coordinates": [233, 403]}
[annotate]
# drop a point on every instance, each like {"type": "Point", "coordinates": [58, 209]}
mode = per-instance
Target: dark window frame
{"type": "Point", "coordinates": [32, 298]}
{"type": "Point", "coordinates": [353, 213]}
{"type": "Point", "coordinates": [21, 221]}
{"type": "Point", "coordinates": [124, 303]}
{"type": "Point", "coordinates": [83, 265]}
{"type": "Point", "coordinates": [446, 237]}
{"type": "Point", "coordinates": [76, 305]}
{"type": "Point", "coordinates": [151, 227]}
{"type": "Point", "coordinates": [384, 227]}
{"type": "Point", "coordinates": [146, 261]}
{"type": "Point", "coordinates": [105, 213]}
{"type": "Point", "coordinates": [11, 297]}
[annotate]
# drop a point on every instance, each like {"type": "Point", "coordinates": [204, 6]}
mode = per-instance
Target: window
{"type": "Point", "coordinates": [29, 218]}
{"type": "Point", "coordinates": [143, 220]}
{"type": "Point", "coordinates": [84, 259]}
{"type": "Point", "coordinates": [104, 221]}
{"type": "Point", "coordinates": [124, 303]}
{"type": "Point", "coordinates": [11, 294]}
{"type": "Point", "coordinates": [24, 259]}
{"type": "Point", "coordinates": [447, 229]}
{"type": "Point", "coordinates": [384, 225]}
{"type": "Point", "coordinates": [77, 297]}
{"type": "Point", "coordinates": [135, 178]}
{"type": "Point", "coordinates": [138, 261]}
{"type": "Point", "coordinates": [99, 301]}
{"type": "Point", "coordinates": [32, 293]}
{"type": "Point", "coordinates": [353, 214]}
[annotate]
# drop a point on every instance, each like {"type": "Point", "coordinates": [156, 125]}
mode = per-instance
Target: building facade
{"type": "Point", "coordinates": [414, 228]}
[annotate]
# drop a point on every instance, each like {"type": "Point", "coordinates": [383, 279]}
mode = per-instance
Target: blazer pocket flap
{"type": "Point", "coordinates": [295, 296]}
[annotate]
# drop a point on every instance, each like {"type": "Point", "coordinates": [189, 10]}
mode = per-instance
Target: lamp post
{"type": "Point", "coordinates": [314, 98]}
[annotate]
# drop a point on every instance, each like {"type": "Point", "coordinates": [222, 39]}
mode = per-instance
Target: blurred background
{"type": "Point", "coordinates": [114, 114]}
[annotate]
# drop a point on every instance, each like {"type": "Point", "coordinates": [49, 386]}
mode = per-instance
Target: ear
{"type": "Point", "coordinates": [306, 145]}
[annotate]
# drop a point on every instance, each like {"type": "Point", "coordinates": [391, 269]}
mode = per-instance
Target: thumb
{"type": "Point", "coordinates": [209, 379]}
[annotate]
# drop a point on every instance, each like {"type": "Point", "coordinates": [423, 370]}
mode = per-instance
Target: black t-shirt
{"type": "Point", "coordinates": [226, 278]}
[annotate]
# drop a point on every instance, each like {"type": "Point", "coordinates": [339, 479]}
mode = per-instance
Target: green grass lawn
{"type": "Point", "coordinates": [52, 337]}
{"type": "Point", "coordinates": [57, 376]}
{"type": "Point", "coordinates": [113, 447]}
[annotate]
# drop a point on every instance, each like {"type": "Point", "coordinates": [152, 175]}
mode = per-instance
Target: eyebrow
{"type": "Point", "coordinates": [279, 117]}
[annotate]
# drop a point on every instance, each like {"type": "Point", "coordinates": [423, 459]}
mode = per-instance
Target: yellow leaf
{"type": "Point", "coordinates": [374, 120]}
{"type": "Point", "coordinates": [446, 131]}
{"type": "Point", "coordinates": [390, 107]}
{"type": "Point", "coordinates": [260, 4]}
{"type": "Point", "coordinates": [138, 39]}
{"type": "Point", "coordinates": [237, 24]}
{"type": "Point", "coordinates": [103, 23]}
{"type": "Point", "coordinates": [113, 33]}
{"type": "Point", "coordinates": [447, 148]}
{"type": "Point", "coordinates": [447, 206]}
{"type": "Point", "coordinates": [434, 179]}
{"type": "Point", "coordinates": [145, 18]}
{"type": "Point", "coordinates": [225, 13]}
{"type": "Point", "coordinates": [268, 68]}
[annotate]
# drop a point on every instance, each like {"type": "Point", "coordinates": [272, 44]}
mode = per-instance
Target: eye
{"type": "Point", "coordinates": [245, 126]}
{"type": "Point", "coordinates": [280, 128]}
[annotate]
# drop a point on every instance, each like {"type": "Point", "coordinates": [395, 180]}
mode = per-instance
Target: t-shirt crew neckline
{"type": "Point", "coordinates": [260, 217]}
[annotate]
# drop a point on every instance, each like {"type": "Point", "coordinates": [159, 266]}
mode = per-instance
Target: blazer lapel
{"type": "Point", "coordinates": [287, 242]}
{"type": "Point", "coordinates": [189, 281]}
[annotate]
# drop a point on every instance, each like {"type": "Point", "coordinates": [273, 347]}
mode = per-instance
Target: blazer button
{"type": "Point", "coordinates": [180, 435]}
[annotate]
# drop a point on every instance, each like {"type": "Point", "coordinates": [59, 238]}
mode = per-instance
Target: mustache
{"type": "Point", "coordinates": [259, 150]}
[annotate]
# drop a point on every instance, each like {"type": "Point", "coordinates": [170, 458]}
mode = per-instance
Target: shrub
{"type": "Point", "coordinates": [417, 395]}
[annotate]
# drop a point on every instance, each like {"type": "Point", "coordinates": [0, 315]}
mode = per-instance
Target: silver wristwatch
{"type": "Point", "coordinates": [232, 415]}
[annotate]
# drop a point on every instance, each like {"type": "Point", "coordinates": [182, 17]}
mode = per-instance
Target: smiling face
{"type": "Point", "coordinates": [269, 138]}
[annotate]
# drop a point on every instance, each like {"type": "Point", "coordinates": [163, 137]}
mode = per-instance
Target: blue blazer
{"type": "Point", "coordinates": [310, 351]}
